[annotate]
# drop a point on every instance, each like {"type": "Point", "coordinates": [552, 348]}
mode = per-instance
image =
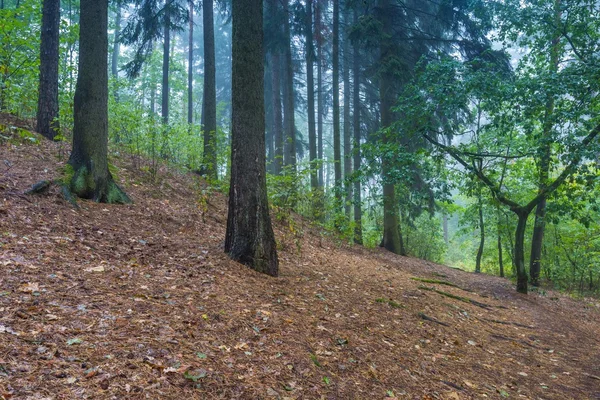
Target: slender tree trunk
{"type": "Point", "coordinates": [210, 92]}
{"type": "Point", "coordinates": [190, 105]}
{"type": "Point", "coordinates": [544, 163]}
{"type": "Point", "coordinates": [445, 229]}
{"type": "Point", "coordinates": [288, 93]}
{"type": "Point", "coordinates": [320, 61]}
{"type": "Point", "coordinates": [520, 250]}
{"type": "Point", "coordinates": [500, 253]}
{"type": "Point", "coordinates": [165, 69]}
{"type": "Point", "coordinates": [347, 134]}
{"type": "Point", "coordinates": [392, 240]}
{"type": "Point", "coordinates": [249, 238]}
{"type": "Point", "coordinates": [356, 127]}
{"type": "Point", "coordinates": [310, 97]}
{"type": "Point", "coordinates": [116, 50]}
{"type": "Point", "coordinates": [91, 178]}
{"type": "Point", "coordinates": [269, 136]}
{"type": "Point", "coordinates": [47, 112]}
{"type": "Point", "coordinates": [337, 151]}
{"type": "Point", "coordinates": [277, 111]}
{"type": "Point", "coordinates": [481, 233]}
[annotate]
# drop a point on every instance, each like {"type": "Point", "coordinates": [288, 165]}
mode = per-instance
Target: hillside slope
{"type": "Point", "coordinates": [139, 301]}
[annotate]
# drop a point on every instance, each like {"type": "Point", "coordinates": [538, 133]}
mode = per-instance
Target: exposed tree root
{"type": "Point", "coordinates": [455, 297]}
{"type": "Point", "coordinates": [431, 319]}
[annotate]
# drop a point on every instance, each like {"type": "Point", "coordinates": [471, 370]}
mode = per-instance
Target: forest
{"type": "Point", "coordinates": [457, 132]}
{"type": "Point", "coordinates": [430, 152]}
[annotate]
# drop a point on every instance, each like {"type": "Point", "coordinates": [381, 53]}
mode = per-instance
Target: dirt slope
{"type": "Point", "coordinates": [118, 302]}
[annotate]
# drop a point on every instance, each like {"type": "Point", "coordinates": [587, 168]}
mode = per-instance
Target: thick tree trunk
{"type": "Point", "coordinates": [277, 111]}
{"type": "Point", "coordinates": [337, 150]}
{"type": "Point", "coordinates": [391, 234]}
{"type": "Point", "coordinates": [190, 105]}
{"type": "Point", "coordinates": [165, 69]}
{"type": "Point", "coordinates": [347, 134]}
{"type": "Point", "coordinates": [310, 97]}
{"type": "Point", "coordinates": [91, 178]}
{"type": "Point", "coordinates": [520, 250]}
{"type": "Point", "coordinates": [249, 238]}
{"type": "Point", "coordinates": [47, 112]}
{"type": "Point", "coordinates": [210, 92]}
{"type": "Point", "coordinates": [481, 234]}
{"type": "Point", "coordinates": [356, 127]}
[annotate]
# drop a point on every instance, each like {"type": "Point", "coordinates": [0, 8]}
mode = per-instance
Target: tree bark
{"type": "Point", "coordinates": [190, 105]}
{"type": "Point", "coordinates": [116, 51]}
{"type": "Point", "coordinates": [347, 134]}
{"type": "Point", "coordinates": [481, 233]}
{"type": "Point", "coordinates": [277, 111]}
{"type": "Point", "coordinates": [249, 238]}
{"type": "Point", "coordinates": [210, 92]}
{"type": "Point", "coordinates": [319, 41]}
{"type": "Point", "coordinates": [91, 178]}
{"type": "Point", "coordinates": [537, 240]}
{"type": "Point", "coordinates": [356, 127]}
{"type": "Point", "coordinates": [47, 112]}
{"type": "Point", "coordinates": [288, 94]}
{"type": "Point", "coordinates": [391, 234]}
{"type": "Point", "coordinates": [165, 68]}
{"type": "Point", "coordinates": [310, 97]}
{"type": "Point", "coordinates": [337, 151]}
{"type": "Point", "coordinates": [520, 250]}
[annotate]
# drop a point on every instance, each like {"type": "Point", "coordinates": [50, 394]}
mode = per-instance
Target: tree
{"type": "Point", "coordinates": [337, 151]}
{"type": "Point", "coordinates": [209, 102]}
{"type": "Point", "coordinates": [310, 96]}
{"type": "Point", "coordinates": [356, 131]}
{"type": "Point", "coordinates": [91, 178]}
{"type": "Point", "coordinates": [249, 238]}
{"type": "Point", "coordinates": [190, 110]}
{"type": "Point", "coordinates": [289, 124]}
{"type": "Point", "coordinates": [116, 48]}
{"type": "Point", "coordinates": [47, 113]}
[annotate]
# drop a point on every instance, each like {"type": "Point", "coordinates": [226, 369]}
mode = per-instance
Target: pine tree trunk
{"type": "Point", "coordinates": [356, 127]}
{"type": "Point", "coordinates": [318, 21]}
{"type": "Point", "coordinates": [210, 92]}
{"type": "Point", "coordinates": [47, 112]}
{"type": "Point", "coordinates": [277, 111]}
{"type": "Point", "coordinates": [337, 151]}
{"type": "Point", "coordinates": [288, 93]}
{"type": "Point", "coordinates": [116, 51]}
{"type": "Point", "coordinates": [91, 178]}
{"type": "Point", "coordinates": [347, 134]}
{"type": "Point", "coordinates": [249, 238]}
{"type": "Point", "coordinates": [165, 69]}
{"type": "Point", "coordinates": [310, 96]}
{"type": "Point", "coordinates": [190, 105]}
{"type": "Point", "coordinates": [391, 234]}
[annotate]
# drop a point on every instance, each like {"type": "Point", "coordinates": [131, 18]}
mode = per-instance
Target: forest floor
{"type": "Point", "coordinates": [139, 301]}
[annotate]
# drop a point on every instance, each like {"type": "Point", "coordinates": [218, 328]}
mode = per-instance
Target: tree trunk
{"type": "Point", "coordinates": [190, 108]}
{"type": "Point", "coordinates": [47, 112]}
{"type": "Point", "coordinates": [500, 253]}
{"type": "Point", "coordinates": [310, 97]}
{"type": "Point", "coordinates": [91, 178]}
{"type": "Point", "coordinates": [319, 93]}
{"type": "Point", "coordinates": [116, 51]}
{"type": "Point", "coordinates": [347, 134]}
{"type": "Point", "coordinates": [165, 68]}
{"type": "Point", "coordinates": [277, 111]}
{"type": "Point", "coordinates": [481, 233]}
{"type": "Point", "coordinates": [249, 238]}
{"type": "Point", "coordinates": [391, 235]}
{"type": "Point", "coordinates": [356, 127]}
{"type": "Point", "coordinates": [288, 94]}
{"type": "Point", "coordinates": [520, 250]}
{"type": "Point", "coordinates": [337, 151]}
{"type": "Point", "coordinates": [544, 163]}
{"type": "Point", "coordinates": [210, 92]}
{"type": "Point", "coordinates": [445, 229]}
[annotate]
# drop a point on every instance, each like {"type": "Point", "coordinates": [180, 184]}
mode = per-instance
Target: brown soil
{"type": "Point", "coordinates": [139, 301]}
